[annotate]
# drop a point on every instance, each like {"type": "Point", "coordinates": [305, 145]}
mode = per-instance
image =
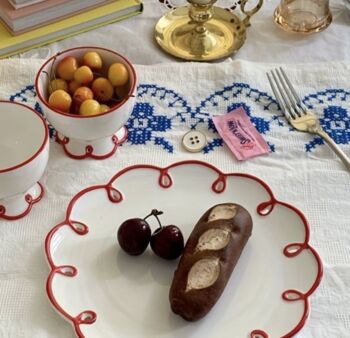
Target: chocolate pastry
{"type": "Point", "coordinates": [209, 257]}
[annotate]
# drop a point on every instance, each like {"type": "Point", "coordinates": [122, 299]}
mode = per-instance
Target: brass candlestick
{"type": "Point", "coordinates": [203, 32]}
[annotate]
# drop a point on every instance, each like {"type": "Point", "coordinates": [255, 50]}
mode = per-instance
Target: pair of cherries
{"type": "Point", "coordinates": [135, 234]}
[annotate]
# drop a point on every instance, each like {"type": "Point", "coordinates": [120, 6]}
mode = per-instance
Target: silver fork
{"type": "Point", "coordinates": [296, 112]}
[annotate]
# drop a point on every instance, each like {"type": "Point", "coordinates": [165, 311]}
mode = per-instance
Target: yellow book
{"type": "Point", "coordinates": [118, 10]}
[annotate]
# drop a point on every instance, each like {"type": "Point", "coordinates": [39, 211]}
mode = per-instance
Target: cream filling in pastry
{"type": "Point", "coordinates": [213, 239]}
{"type": "Point", "coordinates": [203, 274]}
{"type": "Point", "coordinates": [225, 211]}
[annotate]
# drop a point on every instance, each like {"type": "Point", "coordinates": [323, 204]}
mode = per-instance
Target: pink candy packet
{"type": "Point", "coordinates": [240, 135]}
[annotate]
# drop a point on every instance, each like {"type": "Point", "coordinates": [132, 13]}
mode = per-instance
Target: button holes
{"type": "Point", "coordinates": [197, 141]}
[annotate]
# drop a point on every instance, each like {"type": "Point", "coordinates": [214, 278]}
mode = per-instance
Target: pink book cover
{"type": "Point", "coordinates": [20, 4]}
{"type": "Point", "coordinates": [48, 21]}
{"type": "Point", "coordinates": [13, 14]}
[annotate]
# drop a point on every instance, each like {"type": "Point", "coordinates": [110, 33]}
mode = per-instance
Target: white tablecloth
{"type": "Point", "coordinates": [300, 169]}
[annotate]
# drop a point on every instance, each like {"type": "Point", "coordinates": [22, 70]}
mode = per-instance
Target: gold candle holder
{"type": "Point", "coordinates": [203, 32]}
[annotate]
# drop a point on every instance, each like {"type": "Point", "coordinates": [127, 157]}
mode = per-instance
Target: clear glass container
{"type": "Point", "coordinates": [303, 16]}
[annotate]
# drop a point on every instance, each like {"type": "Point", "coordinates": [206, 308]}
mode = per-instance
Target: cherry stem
{"type": "Point", "coordinates": [155, 213]}
{"type": "Point", "coordinates": [160, 224]}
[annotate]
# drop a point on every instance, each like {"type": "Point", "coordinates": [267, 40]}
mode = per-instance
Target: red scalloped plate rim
{"type": "Point", "coordinates": [53, 268]}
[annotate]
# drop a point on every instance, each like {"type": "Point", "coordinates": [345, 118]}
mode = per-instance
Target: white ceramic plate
{"type": "Point", "coordinates": [105, 293]}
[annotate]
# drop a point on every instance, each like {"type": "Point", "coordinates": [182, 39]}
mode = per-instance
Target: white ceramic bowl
{"type": "Point", "coordinates": [95, 136]}
{"type": "Point", "coordinates": [24, 149]}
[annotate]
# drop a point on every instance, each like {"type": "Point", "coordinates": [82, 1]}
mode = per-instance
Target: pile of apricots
{"type": "Point", "coordinates": [80, 88]}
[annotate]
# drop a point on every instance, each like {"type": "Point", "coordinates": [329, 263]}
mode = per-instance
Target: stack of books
{"type": "Point", "coordinates": [25, 24]}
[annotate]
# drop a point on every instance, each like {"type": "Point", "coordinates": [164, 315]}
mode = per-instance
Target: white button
{"type": "Point", "coordinates": [194, 141]}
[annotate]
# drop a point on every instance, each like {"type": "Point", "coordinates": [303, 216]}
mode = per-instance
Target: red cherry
{"type": "Point", "coordinates": [134, 235]}
{"type": "Point", "coordinates": [167, 242]}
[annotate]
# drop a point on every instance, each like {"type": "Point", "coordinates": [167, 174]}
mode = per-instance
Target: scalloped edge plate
{"type": "Point", "coordinates": [267, 295]}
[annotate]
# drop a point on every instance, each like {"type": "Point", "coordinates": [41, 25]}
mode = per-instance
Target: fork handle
{"type": "Point", "coordinates": [340, 153]}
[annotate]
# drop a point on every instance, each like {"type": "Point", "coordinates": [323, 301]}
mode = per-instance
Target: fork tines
{"type": "Point", "coordinates": [285, 94]}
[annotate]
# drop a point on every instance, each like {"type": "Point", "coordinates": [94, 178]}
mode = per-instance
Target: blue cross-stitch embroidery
{"type": "Point", "coordinates": [159, 110]}
{"type": "Point", "coordinates": [154, 114]}
{"type": "Point", "coordinates": [24, 94]}
{"type": "Point", "coordinates": [334, 116]}
{"type": "Point", "coordinates": [143, 122]}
